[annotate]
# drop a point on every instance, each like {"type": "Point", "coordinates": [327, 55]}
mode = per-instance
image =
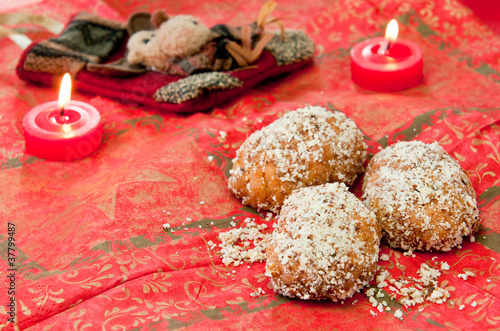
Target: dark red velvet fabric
{"type": "Point", "coordinates": [139, 90]}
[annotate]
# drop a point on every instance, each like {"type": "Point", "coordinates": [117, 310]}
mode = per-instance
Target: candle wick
{"type": "Point", "coordinates": [62, 111]}
{"type": "Point", "coordinates": [387, 46]}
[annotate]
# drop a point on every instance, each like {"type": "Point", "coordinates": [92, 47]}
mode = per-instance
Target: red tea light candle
{"type": "Point", "coordinates": [387, 64]}
{"type": "Point", "coordinates": [62, 130]}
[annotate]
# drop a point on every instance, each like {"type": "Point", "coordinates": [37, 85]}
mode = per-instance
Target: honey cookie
{"type": "Point", "coordinates": [325, 245]}
{"type": "Point", "coordinates": [421, 196]}
{"type": "Point", "coordinates": [306, 147]}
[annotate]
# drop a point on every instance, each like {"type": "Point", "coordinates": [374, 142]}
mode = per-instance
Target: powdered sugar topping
{"type": "Point", "coordinates": [413, 183]}
{"type": "Point", "coordinates": [306, 129]}
{"type": "Point", "coordinates": [318, 234]}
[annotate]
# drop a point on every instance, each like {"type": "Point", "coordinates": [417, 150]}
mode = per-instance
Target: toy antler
{"type": "Point", "coordinates": [264, 12]}
{"type": "Point", "coordinates": [244, 54]}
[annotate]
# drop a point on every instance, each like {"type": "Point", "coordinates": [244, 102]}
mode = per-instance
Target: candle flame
{"type": "Point", "coordinates": [391, 33]}
{"type": "Point", "coordinates": [65, 91]}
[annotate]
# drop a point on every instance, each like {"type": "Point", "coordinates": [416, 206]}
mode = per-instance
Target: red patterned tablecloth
{"type": "Point", "coordinates": [91, 252]}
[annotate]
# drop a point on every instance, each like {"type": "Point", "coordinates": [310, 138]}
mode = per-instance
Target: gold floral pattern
{"type": "Point", "coordinates": [456, 9]}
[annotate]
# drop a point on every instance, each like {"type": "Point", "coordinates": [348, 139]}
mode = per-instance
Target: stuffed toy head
{"type": "Point", "coordinates": [178, 36]}
{"type": "Point", "coordinates": [143, 49]}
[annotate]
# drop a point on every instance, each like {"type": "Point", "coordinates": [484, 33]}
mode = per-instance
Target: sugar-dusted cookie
{"type": "Point", "coordinates": [325, 245]}
{"type": "Point", "coordinates": [421, 196]}
{"type": "Point", "coordinates": [306, 147]}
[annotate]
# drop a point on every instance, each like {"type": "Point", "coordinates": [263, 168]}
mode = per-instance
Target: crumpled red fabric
{"type": "Point", "coordinates": [91, 252]}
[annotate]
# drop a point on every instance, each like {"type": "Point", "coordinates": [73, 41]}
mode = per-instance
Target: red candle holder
{"type": "Point", "coordinates": [398, 68]}
{"type": "Point", "coordinates": [62, 136]}
{"type": "Point", "coordinates": [387, 64]}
